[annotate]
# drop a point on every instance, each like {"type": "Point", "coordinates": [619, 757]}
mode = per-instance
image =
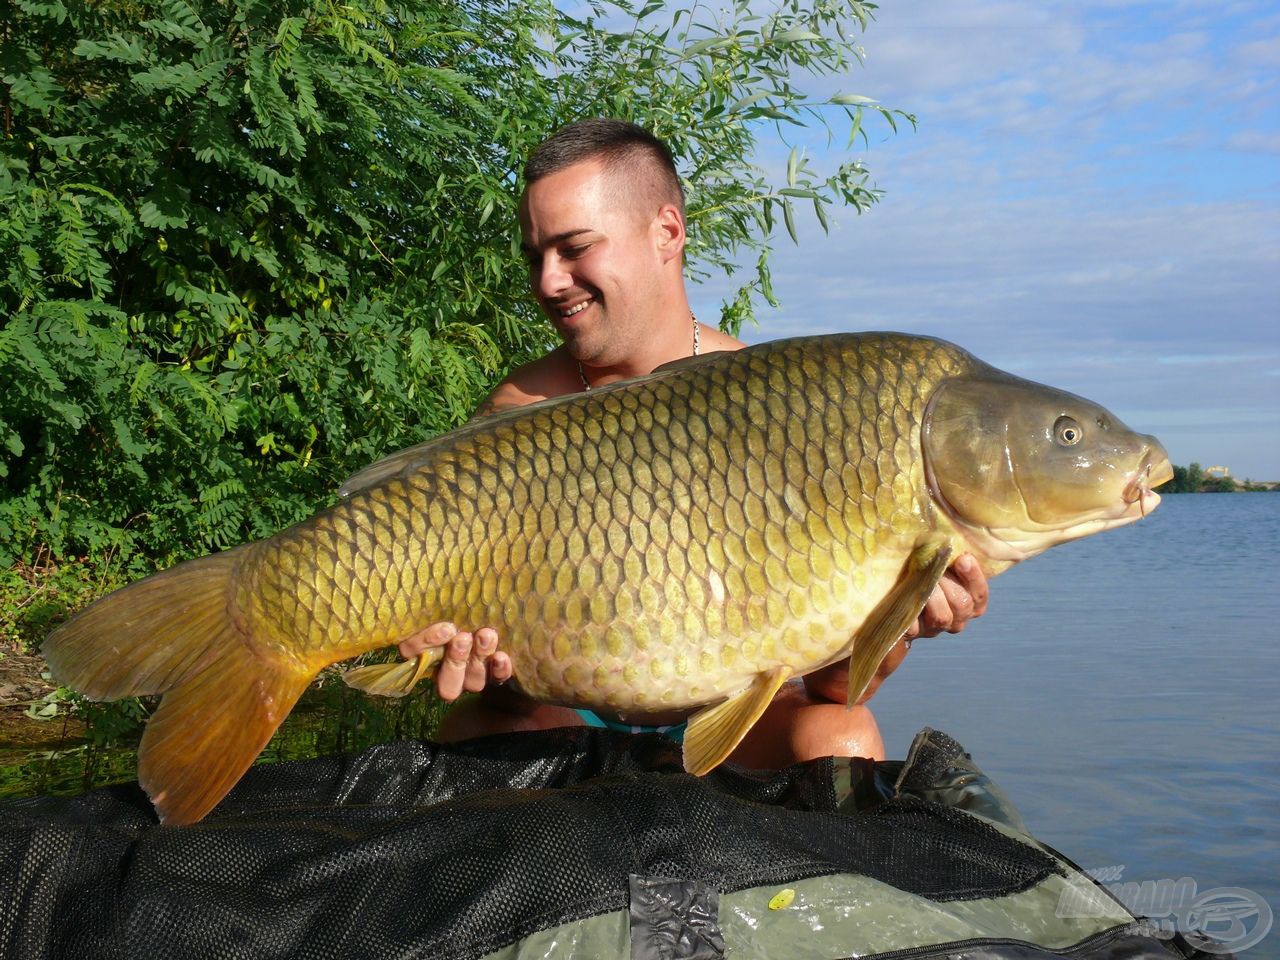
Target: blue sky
{"type": "Point", "coordinates": [1092, 199]}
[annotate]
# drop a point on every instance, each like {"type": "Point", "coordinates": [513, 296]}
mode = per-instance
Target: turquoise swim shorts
{"type": "Point", "coordinates": [675, 731]}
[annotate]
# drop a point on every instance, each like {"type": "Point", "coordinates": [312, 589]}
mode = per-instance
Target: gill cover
{"type": "Point", "coordinates": [1021, 466]}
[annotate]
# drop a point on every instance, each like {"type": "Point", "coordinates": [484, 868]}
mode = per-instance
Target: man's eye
{"type": "Point", "coordinates": [573, 253]}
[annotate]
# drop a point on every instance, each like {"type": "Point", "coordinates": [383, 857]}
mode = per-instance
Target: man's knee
{"type": "Point", "coordinates": [829, 730]}
{"type": "Point", "coordinates": [797, 727]}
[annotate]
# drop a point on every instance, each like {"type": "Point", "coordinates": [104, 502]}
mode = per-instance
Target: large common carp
{"type": "Point", "coordinates": [692, 538]}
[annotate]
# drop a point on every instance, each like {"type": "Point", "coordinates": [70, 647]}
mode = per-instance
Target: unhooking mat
{"type": "Point", "coordinates": [579, 843]}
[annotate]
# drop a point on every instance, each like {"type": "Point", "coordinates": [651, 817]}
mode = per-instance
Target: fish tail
{"type": "Point", "coordinates": [177, 633]}
{"type": "Point", "coordinates": [208, 731]}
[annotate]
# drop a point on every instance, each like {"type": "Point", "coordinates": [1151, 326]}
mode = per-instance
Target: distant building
{"type": "Point", "coordinates": [1217, 472]}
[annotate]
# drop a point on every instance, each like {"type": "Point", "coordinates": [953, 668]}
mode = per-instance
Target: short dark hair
{"type": "Point", "coordinates": [630, 153]}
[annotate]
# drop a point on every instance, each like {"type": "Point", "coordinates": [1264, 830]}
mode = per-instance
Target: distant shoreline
{"type": "Point", "coordinates": [1195, 479]}
{"type": "Point", "coordinates": [1255, 486]}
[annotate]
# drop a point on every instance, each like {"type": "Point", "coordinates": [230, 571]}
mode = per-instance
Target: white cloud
{"type": "Point", "coordinates": [1262, 53]}
{"type": "Point", "coordinates": [1067, 209]}
{"type": "Point", "coordinates": [1255, 141]}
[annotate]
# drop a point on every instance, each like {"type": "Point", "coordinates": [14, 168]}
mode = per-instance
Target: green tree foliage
{"type": "Point", "coordinates": [1193, 479]}
{"type": "Point", "coordinates": [247, 247]}
{"type": "Point", "coordinates": [1218, 485]}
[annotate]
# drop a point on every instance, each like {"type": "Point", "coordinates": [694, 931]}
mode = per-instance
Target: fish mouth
{"type": "Point", "coordinates": [1139, 490]}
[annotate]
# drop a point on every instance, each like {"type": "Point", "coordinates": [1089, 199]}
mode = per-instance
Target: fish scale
{"type": "Point", "coordinates": [688, 539]}
{"type": "Point", "coordinates": [730, 530]}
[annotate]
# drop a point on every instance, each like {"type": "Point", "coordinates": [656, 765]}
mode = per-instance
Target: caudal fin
{"type": "Point", "coordinates": [175, 633]}
{"type": "Point", "coordinates": [209, 730]}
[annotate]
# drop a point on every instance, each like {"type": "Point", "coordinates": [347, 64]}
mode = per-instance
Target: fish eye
{"type": "Point", "coordinates": [1067, 431]}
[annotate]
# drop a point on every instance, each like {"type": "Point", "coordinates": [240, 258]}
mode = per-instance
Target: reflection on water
{"type": "Point", "coordinates": [330, 718]}
{"type": "Point", "coordinates": [1124, 690]}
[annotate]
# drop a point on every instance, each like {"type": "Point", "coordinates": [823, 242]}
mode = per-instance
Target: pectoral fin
{"type": "Point", "coordinates": [394, 679]}
{"type": "Point", "coordinates": [714, 731]}
{"type": "Point", "coordinates": [895, 613]}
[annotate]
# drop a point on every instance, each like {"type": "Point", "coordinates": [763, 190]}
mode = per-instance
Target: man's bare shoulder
{"type": "Point", "coordinates": [714, 339]}
{"type": "Point", "coordinates": [550, 376]}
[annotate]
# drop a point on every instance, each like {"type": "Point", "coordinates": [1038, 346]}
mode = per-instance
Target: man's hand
{"type": "Point", "coordinates": [470, 661]}
{"type": "Point", "coordinates": [960, 596]}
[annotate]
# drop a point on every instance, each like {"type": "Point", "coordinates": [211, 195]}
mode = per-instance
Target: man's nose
{"type": "Point", "coordinates": [551, 278]}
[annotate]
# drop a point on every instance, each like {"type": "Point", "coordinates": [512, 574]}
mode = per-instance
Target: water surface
{"type": "Point", "coordinates": [1125, 691]}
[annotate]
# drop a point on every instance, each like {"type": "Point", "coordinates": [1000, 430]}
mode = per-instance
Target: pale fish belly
{"type": "Point", "coordinates": [645, 666]}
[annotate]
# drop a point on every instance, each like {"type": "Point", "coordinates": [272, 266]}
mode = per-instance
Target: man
{"type": "Point", "coordinates": [603, 230]}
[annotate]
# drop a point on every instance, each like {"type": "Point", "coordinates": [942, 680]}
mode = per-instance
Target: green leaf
{"type": "Point", "coordinates": [789, 218]}
{"type": "Point", "coordinates": [819, 210]}
{"type": "Point", "coordinates": [705, 46]}
{"type": "Point", "coordinates": [795, 35]}
{"type": "Point", "coordinates": [851, 99]}
{"type": "Point", "coordinates": [36, 90]}
{"type": "Point", "coordinates": [67, 146]}
{"type": "Point", "coordinates": [119, 48]}
{"type": "Point", "coordinates": [750, 99]}
{"type": "Point", "coordinates": [775, 114]}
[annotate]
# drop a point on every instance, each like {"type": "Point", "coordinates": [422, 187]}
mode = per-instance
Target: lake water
{"type": "Point", "coordinates": [1125, 691]}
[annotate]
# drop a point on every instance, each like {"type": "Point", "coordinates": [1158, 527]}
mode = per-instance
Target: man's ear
{"type": "Point", "coordinates": [668, 227]}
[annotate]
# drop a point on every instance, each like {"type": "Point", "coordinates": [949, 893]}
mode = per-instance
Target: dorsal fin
{"type": "Point", "coordinates": [684, 363]}
{"type": "Point", "coordinates": [410, 458]}
{"type": "Point", "coordinates": [393, 464]}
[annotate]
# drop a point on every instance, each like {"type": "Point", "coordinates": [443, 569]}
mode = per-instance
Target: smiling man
{"type": "Point", "coordinates": [603, 229]}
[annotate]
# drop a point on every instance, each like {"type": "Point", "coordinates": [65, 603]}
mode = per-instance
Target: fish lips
{"type": "Point", "coordinates": [1155, 470]}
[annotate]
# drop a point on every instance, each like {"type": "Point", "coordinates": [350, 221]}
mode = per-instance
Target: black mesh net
{"type": "Point", "coordinates": [416, 849]}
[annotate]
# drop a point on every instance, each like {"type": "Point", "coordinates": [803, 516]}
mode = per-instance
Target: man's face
{"type": "Point", "coordinates": [593, 261]}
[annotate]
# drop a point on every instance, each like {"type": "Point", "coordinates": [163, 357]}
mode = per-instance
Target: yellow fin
{"type": "Point", "coordinates": [394, 679]}
{"type": "Point", "coordinates": [713, 732]}
{"type": "Point", "coordinates": [209, 730]}
{"type": "Point", "coordinates": [886, 624]}
{"type": "Point", "coordinates": [176, 633]}
{"type": "Point", "coordinates": [150, 636]}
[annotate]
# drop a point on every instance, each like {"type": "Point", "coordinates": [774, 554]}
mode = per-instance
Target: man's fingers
{"type": "Point", "coordinates": [470, 660]}
{"type": "Point", "coordinates": [960, 596]}
{"type": "Point", "coordinates": [453, 669]}
{"type": "Point", "coordinates": [959, 604]}
{"type": "Point", "coordinates": [936, 615]}
{"type": "Point", "coordinates": [500, 667]}
{"type": "Point", "coordinates": [432, 636]}
{"type": "Point", "coordinates": [968, 573]}
{"type": "Point", "coordinates": [484, 647]}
